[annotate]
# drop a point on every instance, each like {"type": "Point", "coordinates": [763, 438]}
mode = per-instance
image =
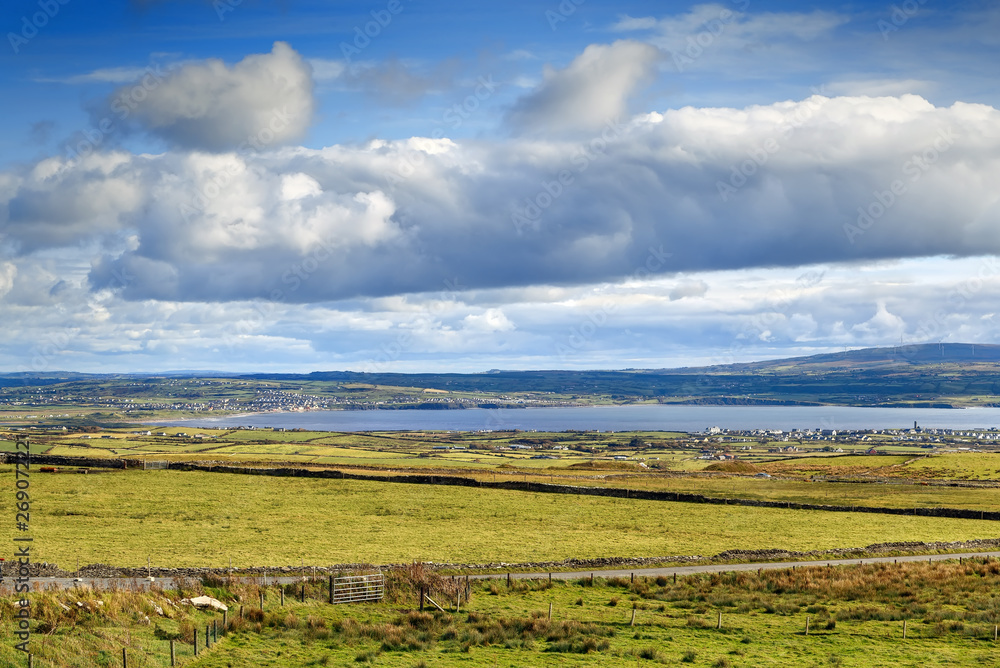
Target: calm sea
{"type": "Point", "coordinates": [616, 418]}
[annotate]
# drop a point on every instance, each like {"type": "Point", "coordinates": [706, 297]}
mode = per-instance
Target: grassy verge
{"type": "Point", "coordinates": [855, 617]}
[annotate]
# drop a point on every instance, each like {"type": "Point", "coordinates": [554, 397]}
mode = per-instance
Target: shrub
{"type": "Point", "coordinates": [650, 653]}
{"type": "Point", "coordinates": [365, 657]}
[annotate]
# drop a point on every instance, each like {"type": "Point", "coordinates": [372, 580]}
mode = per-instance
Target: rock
{"type": "Point", "coordinates": [205, 602]}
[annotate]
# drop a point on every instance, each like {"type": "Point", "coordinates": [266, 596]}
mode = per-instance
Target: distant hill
{"type": "Point", "coordinates": [926, 375]}
{"type": "Point", "coordinates": [880, 358]}
{"type": "Point", "coordinates": [929, 375]}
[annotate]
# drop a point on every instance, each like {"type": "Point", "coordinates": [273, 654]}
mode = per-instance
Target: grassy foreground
{"type": "Point", "coordinates": [180, 518]}
{"type": "Point", "coordinates": [855, 617]}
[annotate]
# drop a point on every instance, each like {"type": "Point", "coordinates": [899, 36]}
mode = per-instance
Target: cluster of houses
{"type": "Point", "coordinates": [915, 435]}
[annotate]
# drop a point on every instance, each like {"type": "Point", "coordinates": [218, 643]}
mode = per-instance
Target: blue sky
{"type": "Point", "coordinates": [420, 186]}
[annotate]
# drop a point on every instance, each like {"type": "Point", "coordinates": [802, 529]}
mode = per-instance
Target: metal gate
{"type": "Point", "coordinates": [153, 464]}
{"type": "Point", "coordinates": [356, 588]}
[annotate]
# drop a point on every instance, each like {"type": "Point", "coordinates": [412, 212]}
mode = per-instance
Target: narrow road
{"type": "Point", "coordinates": [730, 568]}
{"type": "Point", "coordinates": [145, 583]}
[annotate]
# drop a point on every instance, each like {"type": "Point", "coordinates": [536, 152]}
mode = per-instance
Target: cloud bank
{"type": "Point", "coordinates": [788, 184]}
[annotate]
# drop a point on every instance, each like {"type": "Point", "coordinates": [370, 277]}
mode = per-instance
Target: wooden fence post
{"type": "Point", "coordinates": [719, 625]}
{"type": "Point", "coordinates": [282, 590]}
{"type": "Point", "coordinates": [508, 579]}
{"type": "Point", "coordinates": [196, 642]}
{"type": "Point", "coordinates": [421, 598]}
{"type": "Point", "coordinates": [173, 657]}
{"type": "Point", "coordinates": [208, 636]}
{"type": "Point", "coordinates": [331, 590]}
{"type": "Point", "coordinates": [632, 622]}
{"type": "Point", "coordinates": [550, 613]}
{"type": "Point", "coordinates": [124, 658]}
{"type": "Point", "coordinates": [807, 624]}
{"type": "Point", "coordinates": [261, 599]}
{"type": "Point", "coordinates": [31, 660]}
{"type": "Point", "coordinates": [302, 593]}
{"type": "Point", "coordinates": [225, 620]}
{"type": "Point", "coordinates": [904, 629]}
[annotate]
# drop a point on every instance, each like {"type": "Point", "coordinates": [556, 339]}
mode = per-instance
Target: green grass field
{"type": "Point", "coordinates": [202, 519]}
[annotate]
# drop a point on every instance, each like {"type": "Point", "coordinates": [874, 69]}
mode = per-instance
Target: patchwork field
{"type": "Point", "coordinates": [181, 518]}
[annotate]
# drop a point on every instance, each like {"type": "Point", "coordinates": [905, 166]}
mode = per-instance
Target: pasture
{"type": "Point", "coordinates": [179, 518]}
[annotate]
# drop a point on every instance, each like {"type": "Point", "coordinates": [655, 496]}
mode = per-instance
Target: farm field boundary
{"type": "Point", "coordinates": [519, 486]}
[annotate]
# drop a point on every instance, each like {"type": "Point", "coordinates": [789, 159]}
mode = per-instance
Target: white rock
{"type": "Point", "coordinates": [205, 602]}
